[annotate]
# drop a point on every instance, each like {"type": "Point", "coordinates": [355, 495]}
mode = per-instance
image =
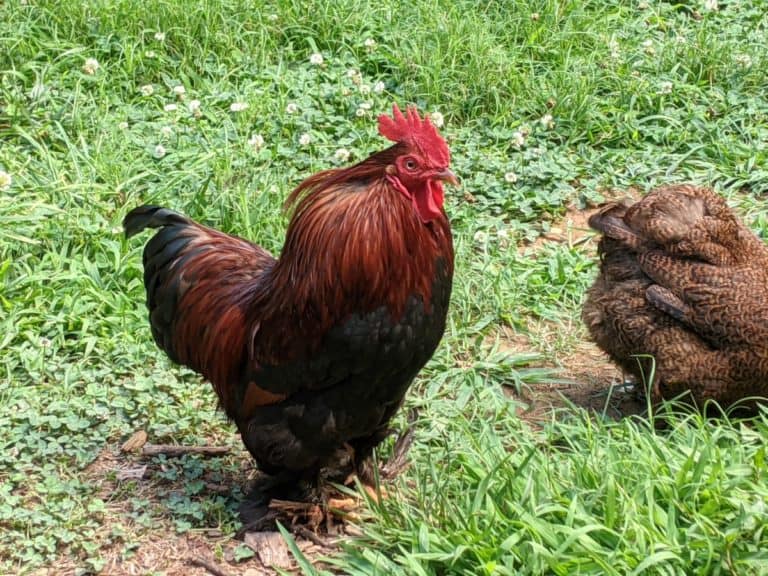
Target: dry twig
{"type": "Point", "coordinates": [174, 450]}
{"type": "Point", "coordinates": [307, 534]}
{"type": "Point", "coordinates": [207, 565]}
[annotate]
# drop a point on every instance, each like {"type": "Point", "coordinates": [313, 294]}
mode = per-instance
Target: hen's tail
{"type": "Point", "coordinates": [681, 220]}
{"type": "Point", "coordinates": [609, 220]}
{"type": "Point", "coordinates": [198, 283]}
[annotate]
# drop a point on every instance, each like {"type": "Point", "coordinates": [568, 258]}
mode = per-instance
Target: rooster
{"type": "Point", "coordinates": [311, 354]}
{"type": "Point", "coordinates": [683, 282]}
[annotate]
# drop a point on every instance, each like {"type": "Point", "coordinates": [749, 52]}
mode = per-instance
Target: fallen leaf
{"type": "Point", "coordinates": [373, 494]}
{"type": "Point", "coordinates": [342, 504]}
{"type": "Point", "coordinates": [270, 548]}
{"type": "Point", "coordinates": [135, 473]}
{"type": "Point", "coordinates": [135, 442]}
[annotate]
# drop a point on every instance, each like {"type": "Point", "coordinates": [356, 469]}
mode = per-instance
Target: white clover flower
{"type": "Point", "coordinates": [613, 46]}
{"type": "Point", "coordinates": [5, 180]}
{"type": "Point", "coordinates": [147, 90]}
{"type": "Point", "coordinates": [305, 139]}
{"type": "Point", "coordinates": [369, 43]}
{"type": "Point", "coordinates": [437, 119]}
{"type": "Point", "coordinates": [367, 105]}
{"type": "Point", "coordinates": [510, 177]}
{"type": "Point", "coordinates": [502, 236]}
{"type": "Point", "coordinates": [480, 237]}
{"type": "Point", "coordinates": [365, 89]}
{"type": "Point", "coordinates": [159, 151]}
{"type": "Point", "coordinates": [256, 141]}
{"type": "Point", "coordinates": [123, 125]}
{"type": "Point", "coordinates": [179, 91]}
{"type": "Point", "coordinates": [291, 108]}
{"type": "Point", "coordinates": [680, 39]}
{"type": "Point", "coordinates": [379, 87]}
{"type": "Point", "coordinates": [345, 92]}
{"type": "Point", "coordinates": [744, 60]}
{"type": "Point", "coordinates": [535, 16]}
{"type": "Point", "coordinates": [711, 5]}
{"type": "Point", "coordinates": [170, 107]}
{"type": "Point", "coordinates": [316, 59]}
{"type": "Point", "coordinates": [117, 230]}
{"type": "Point", "coordinates": [238, 106]}
{"type": "Point", "coordinates": [665, 87]}
{"type": "Point", "coordinates": [360, 112]}
{"type": "Point", "coordinates": [90, 66]}
{"type": "Point", "coordinates": [547, 122]}
{"type": "Point", "coordinates": [518, 139]}
{"type": "Point", "coordinates": [355, 76]}
{"type": "Point", "coordinates": [166, 131]}
{"type": "Point", "coordinates": [342, 155]}
{"type": "Point", "coordinates": [272, 17]}
{"type": "Point", "coordinates": [150, 54]}
{"type": "Point", "coordinates": [648, 46]}
{"type": "Point", "coordinates": [160, 36]}
{"type": "Point", "coordinates": [194, 107]}
{"type": "Point", "coordinates": [643, 5]}
{"type": "Point", "coordinates": [45, 342]}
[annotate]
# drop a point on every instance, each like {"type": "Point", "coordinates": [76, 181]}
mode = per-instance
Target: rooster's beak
{"type": "Point", "coordinates": [447, 176]}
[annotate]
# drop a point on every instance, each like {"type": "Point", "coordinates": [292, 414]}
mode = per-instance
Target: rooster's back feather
{"type": "Point", "coordinates": [199, 284]}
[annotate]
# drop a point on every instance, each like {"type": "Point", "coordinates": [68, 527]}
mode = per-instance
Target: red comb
{"type": "Point", "coordinates": [417, 132]}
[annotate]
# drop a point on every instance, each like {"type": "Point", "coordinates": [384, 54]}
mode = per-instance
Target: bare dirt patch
{"type": "Point", "coordinates": [588, 378]}
{"type": "Point", "coordinates": [138, 535]}
{"type": "Point", "coordinates": [572, 229]}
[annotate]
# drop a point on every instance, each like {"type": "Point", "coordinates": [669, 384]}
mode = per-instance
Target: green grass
{"type": "Point", "coordinates": [638, 97]}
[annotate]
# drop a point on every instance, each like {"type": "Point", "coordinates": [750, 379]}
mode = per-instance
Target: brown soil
{"type": "Point", "coordinates": [586, 378]}
{"type": "Point", "coordinates": [158, 548]}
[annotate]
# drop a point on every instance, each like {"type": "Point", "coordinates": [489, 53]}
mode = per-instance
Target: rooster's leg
{"type": "Point", "coordinates": [396, 463]}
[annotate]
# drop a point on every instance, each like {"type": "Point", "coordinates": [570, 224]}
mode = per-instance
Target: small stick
{"type": "Point", "coordinates": [209, 566]}
{"type": "Point", "coordinates": [307, 534]}
{"type": "Point", "coordinates": [174, 450]}
{"type": "Point", "coordinates": [290, 505]}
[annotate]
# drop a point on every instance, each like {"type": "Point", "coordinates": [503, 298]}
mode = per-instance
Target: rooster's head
{"type": "Point", "coordinates": [419, 171]}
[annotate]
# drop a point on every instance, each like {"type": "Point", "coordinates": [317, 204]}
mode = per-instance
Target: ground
{"type": "Point", "coordinates": [218, 110]}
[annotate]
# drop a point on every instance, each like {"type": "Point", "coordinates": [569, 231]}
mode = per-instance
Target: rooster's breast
{"type": "Point", "coordinates": [351, 386]}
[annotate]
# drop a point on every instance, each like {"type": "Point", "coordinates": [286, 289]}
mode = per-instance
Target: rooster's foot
{"type": "Point", "coordinates": [257, 512]}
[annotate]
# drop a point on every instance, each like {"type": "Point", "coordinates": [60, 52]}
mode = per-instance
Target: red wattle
{"type": "Point", "coordinates": [428, 201]}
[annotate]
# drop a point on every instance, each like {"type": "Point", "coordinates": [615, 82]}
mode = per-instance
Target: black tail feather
{"type": "Point", "coordinates": [151, 217]}
{"type": "Point", "coordinates": [161, 279]}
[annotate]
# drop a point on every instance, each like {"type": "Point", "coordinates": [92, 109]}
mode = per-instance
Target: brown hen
{"type": "Point", "coordinates": [683, 283]}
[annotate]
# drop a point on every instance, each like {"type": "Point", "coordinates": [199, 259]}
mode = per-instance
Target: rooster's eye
{"type": "Point", "coordinates": [410, 164]}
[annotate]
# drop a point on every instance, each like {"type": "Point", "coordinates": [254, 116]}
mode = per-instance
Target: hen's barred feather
{"type": "Point", "coordinates": [684, 281]}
